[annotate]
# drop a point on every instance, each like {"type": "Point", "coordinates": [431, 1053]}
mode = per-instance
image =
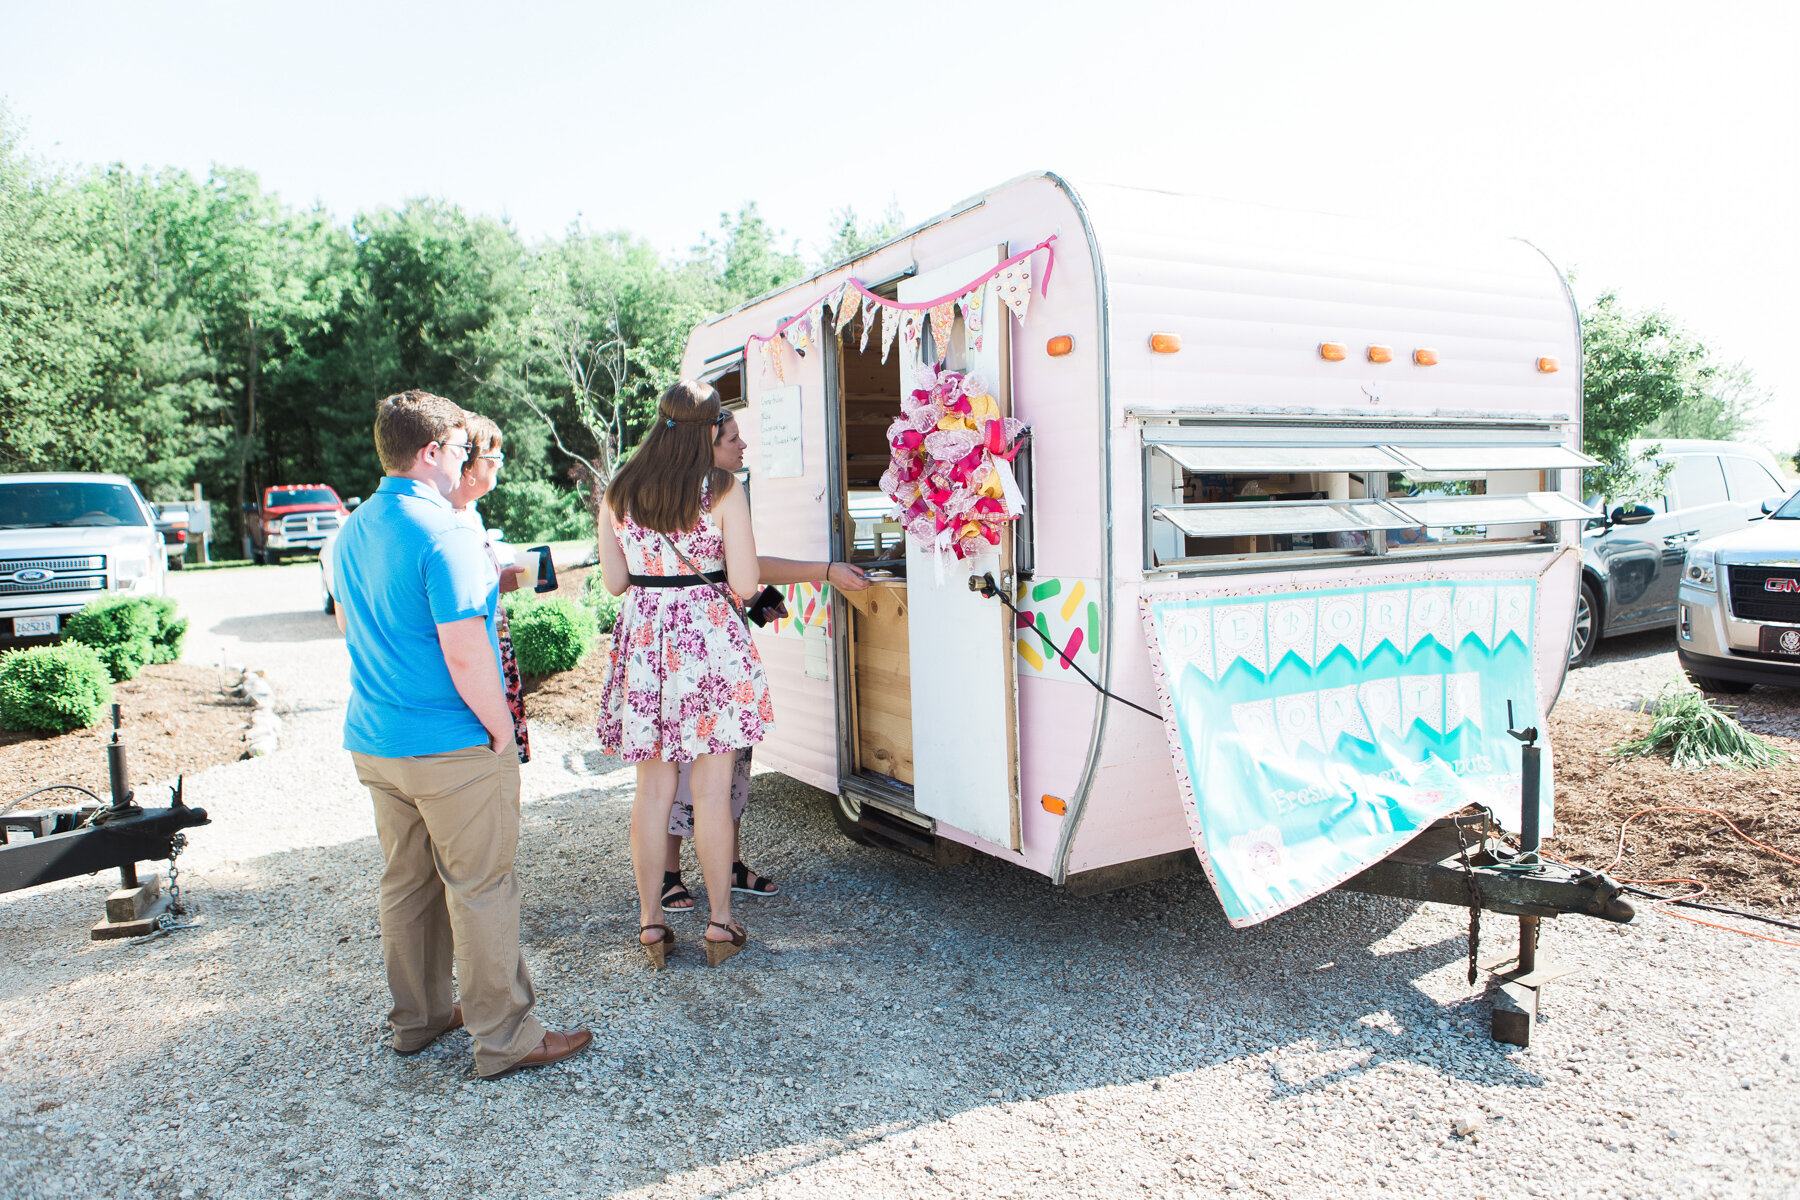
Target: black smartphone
{"type": "Point", "coordinates": [546, 571]}
{"type": "Point", "coordinates": [763, 606]}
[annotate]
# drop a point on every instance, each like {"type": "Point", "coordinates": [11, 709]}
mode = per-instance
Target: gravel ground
{"type": "Point", "coordinates": [1629, 672]}
{"type": "Point", "coordinates": [892, 1030]}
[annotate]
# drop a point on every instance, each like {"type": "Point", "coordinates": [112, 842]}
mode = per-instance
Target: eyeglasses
{"type": "Point", "coordinates": [463, 446]}
{"type": "Point", "coordinates": [496, 457]}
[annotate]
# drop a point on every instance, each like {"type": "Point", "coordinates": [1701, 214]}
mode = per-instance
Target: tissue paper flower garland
{"type": "Point", "coordinates": [951, 477]}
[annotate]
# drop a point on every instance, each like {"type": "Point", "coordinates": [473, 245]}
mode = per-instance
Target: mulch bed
{"type": "Point", "coordinates": [1596, 792]}
{"type": "Point", "coordinates": [174, 720]}
{"type": "Point", "coordinates": [570, 699]}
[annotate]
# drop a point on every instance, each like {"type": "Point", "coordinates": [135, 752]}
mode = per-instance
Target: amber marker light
{"type": "Point", "coordinates": [1055, 805]}
{"type": "Point", "coordinates": [1163, 343]}
{"type": "Point", "coordinates": [1425, 358]}
{"type": "Point", "coordinates": [1381, 354]}
{"type": "Point", "coordinates": [1333, 351]}
{"type": "Point", "coordinates": [1548, 365]}
{"type": "Point", "coordinates": [1059, 345]}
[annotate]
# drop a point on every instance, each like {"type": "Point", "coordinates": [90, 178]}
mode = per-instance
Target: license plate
{"type": "Point", "coordinates": [34, 626]}
{"type": "Point", "coordinates": [1784, 641]}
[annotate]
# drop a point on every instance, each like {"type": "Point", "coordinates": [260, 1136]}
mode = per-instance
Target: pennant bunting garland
{"type": "Point", "coordinates": [1015, 288]}
{"type": "Point", "coordinates": [799, 335]}
{"type": "Point", "coordinates": [909, 331]}
{"type": "Point", "coordinates": [869, 308]}
{"type": "Point", "coordinates": [1012, 278]}
{"type": "Point", "coordinates": [943, 318]}
{"type": "Point", "coordinates": [971, 306]}
{"type": "Point", "coordinates": [890, 325]}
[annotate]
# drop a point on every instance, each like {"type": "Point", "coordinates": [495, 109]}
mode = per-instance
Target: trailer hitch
{"type": "Point", "coordinates": [91, 838]}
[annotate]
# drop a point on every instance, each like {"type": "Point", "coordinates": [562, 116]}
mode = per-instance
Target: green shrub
{"type": "Point", "coordinates": [169, 630]}
{"type": "Point", "coordinates": [120, 630]}
{"type": "Point", "coordinates": [605, 607]}
{"type": "Point", "coordinates": [55, 688]}
{"type": "Point", "coordinates": [552, 636]}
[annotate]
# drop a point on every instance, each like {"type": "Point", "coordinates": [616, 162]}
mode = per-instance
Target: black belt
{"type": "Point", "coordinates": [664, 581]}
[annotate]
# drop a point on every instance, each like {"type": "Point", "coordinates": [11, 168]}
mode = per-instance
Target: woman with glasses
{"type": "Point", "coordinates": [684, 683]}
{"type": "Point", "coordinates": [480, 471]}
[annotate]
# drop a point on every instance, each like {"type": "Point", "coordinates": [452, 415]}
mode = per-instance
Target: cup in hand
{"type": "Point", "coordinates": [527, 560]}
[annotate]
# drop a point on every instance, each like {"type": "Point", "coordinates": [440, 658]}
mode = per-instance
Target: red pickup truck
{"type": "Point", "coordinates": [293, 519]}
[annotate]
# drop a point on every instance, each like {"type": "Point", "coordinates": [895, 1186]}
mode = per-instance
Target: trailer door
{"type": "Point", "coordinates": [964, 707]}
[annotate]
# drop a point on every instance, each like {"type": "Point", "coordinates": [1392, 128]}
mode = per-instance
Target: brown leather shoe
{"type": "Point", "coordinates": [456, 1022]}
{"type": "Point", "coordinates": [556, 1046]}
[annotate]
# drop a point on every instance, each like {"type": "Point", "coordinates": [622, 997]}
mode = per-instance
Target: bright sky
{"type": "Point", "coordinates": [1649, 146]}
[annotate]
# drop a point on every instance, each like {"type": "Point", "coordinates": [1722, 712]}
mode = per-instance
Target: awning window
{"type": "Point", "coordinates": [1281, 517]}
{"type": "Point", "coordinates": [718, 369]}
{"type": "Point", "coordinates": [1452, 459]}
{"type": "Point", "coordinates": [1438, 512]}
{"type": "Point", "coordinates": [1279, 460]}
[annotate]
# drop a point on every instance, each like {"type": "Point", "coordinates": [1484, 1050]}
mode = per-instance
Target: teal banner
{"type": "Point", "coordinates": [1315, 732]}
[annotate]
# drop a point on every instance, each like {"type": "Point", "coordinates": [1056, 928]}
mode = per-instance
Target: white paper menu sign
{"type": "Point", "coordinates": [778, 412]}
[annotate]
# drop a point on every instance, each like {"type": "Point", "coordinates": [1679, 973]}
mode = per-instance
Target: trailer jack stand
{"type": "Point", "coordinates": [135, 909]}
{"type": "Point", "coordinates": [1517, 985]}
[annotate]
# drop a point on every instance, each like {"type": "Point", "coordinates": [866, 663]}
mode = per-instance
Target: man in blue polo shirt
{"type": "Point", "coordinates": [432, 739]}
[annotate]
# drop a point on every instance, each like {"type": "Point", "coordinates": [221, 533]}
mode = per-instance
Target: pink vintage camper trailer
{"type": "Point", "coordinates": [1241, 421]}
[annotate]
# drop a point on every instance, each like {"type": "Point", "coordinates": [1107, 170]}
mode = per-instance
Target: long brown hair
{"type": "Point", "coordinates": [660, 485]}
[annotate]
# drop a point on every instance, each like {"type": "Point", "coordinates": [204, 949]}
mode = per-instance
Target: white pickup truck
{"type": "Point", "coordinates": [67, 538]}
{"type": "Point", "coordinates": [1738, 620]}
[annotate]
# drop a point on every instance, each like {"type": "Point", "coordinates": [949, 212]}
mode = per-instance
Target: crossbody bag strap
{"type": "Point", "coordinates": [722, 589]}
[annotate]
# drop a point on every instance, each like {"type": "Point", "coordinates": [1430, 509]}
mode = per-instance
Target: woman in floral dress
{"type": "Point", "coordinates": [684, 683]}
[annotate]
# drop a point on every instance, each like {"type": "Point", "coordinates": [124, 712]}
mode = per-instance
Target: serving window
{"type": "Point", "coordinates": [1213, 497]}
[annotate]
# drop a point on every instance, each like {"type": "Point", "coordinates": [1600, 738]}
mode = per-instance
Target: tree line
{"type": "Point", "coordinates": [184, 330]}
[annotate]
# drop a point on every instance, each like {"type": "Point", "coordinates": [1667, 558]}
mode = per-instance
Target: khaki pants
{"type": "Point", "coordinates": [449, 828]}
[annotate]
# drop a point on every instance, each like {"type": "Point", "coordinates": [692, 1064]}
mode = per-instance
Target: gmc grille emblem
{"type": "Point", "coordinates": [1781, 585]}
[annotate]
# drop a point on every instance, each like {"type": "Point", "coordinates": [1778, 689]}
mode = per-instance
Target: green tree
{"type": "Point", "coordinates": [1726, 409]}
{"type": "Point", "coordinates": [852, 237]}
{"type": "Point", "coordinates": [428, 290]}
{"type": "Point", "coordinates": [262, 276]}
{"type": "Point", "coordinates": [747, 262]}
{"type": "Point", "coordinates": [50, 351]}
{"type": "Point", "coordinates": [1638, 366]}
{"type": "Point", "coordinates": [166, 424]}
{"type": "Point", "coordinates": [601, 338]}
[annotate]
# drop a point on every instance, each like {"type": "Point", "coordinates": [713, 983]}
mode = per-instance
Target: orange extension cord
{"type": "Point", "coordinates": [1697, 883]}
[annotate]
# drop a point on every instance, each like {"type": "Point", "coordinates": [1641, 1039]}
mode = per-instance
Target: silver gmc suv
{"type": "Point", "coordinates": [1738, 621]}
{"type": "Point", "coordinates": [67, 538]}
